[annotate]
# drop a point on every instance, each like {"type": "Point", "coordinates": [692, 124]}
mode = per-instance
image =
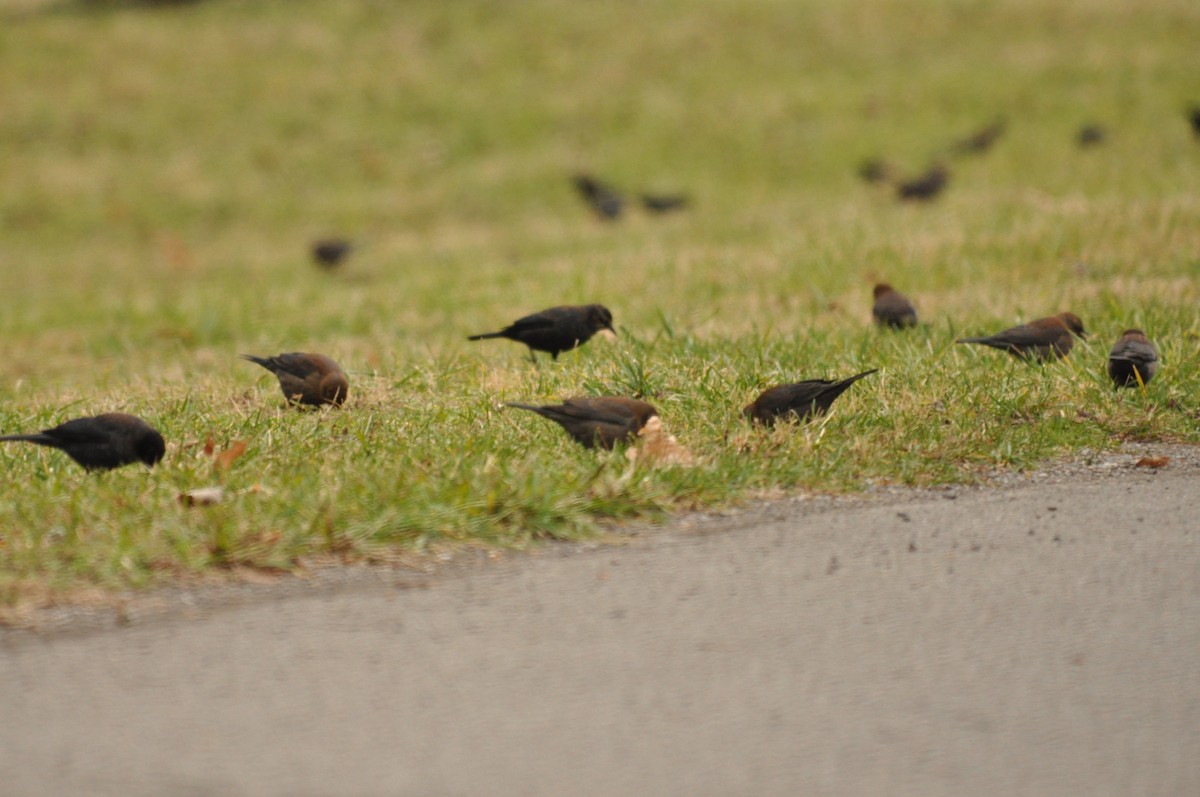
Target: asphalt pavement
{"type": "Point", "coordinates": [1040, 638]}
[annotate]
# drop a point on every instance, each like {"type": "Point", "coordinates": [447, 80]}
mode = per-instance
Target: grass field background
{"type": "Point", "coordinates": [164, 168]}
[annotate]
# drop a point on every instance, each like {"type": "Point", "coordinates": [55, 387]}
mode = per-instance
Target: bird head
{"type": "Point", "coordinates": [882, 288]}
{"type": "Point", "coordinates": [150, 447]}
{"type": "Point", "coordinates": [1072, 322]}
{"type": "Point", "coordinates": [599, 317]}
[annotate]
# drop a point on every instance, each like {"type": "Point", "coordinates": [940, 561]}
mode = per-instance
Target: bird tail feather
{"type": "Point", "coordinates": [40, 439]}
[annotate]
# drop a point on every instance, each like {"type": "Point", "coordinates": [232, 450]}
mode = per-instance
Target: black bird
{"type": "Point", "coordinates": [1042, 339]}
{"type": "Point", "coordinates": [600, 421]}
{"type": "Point", "coordinates": [1193, 115]}
{"type": "Point", "coordinates": [925, 186]}
{"type": "Point", "coordinates": [876, 170]}
{"type": "Point", "coordinates": [799, 400]}
{"type": "Point", "coordinates": [1090, 135]}
{"type": "Point", "coordinates": [102, 442]}
{"type": "Point", "coordinates": [1133, 355]}
{"type": "Point", "coordinates": [664, 203]}
{"type": "Point", "coordinates": [556, 328]}
{"type": "Point", "coordinates": [892, 308]}
{"type": "Point", "coordinates": [330, 252]}
{"type": "Point", "coordinates": [981, 140]}
{"type": "Point", "coordinates": [311, 379]}
{"type": "Point", "coordinates": [603, 199]}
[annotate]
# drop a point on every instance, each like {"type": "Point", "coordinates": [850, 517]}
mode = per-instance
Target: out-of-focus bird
{"type": "Point", "coordinates": [892, 308]}
{"type": "Point", "coordinates": [600, 421]}
{"type": "Point", "coordinates": [555, 329]}
{"type": "Point", "coordinates": [1090, 135]}
{"type": "Point", "coordinates": [926, 186]}
{"type": "Point", "coordinates": [310, 379]}
{"type": "Point", "coordinates": [102, 442]}
{"type": "Point", "coordinates": [605, 200]}
{"type": "Point", "coordinates": [798, 400]}
{"type": "Point", "coordinates": [981, 140]}
{"type": "Point", "coordinates": [1132, 356]}
{"type": "Point", "coordinates": [1042, 339]}
{"type": "Point", "coordinates": [1193, 115]}
{"type": "Point", "coordinates": [664, 203]}
{"type": "Point", "coordinates": [877, 170]}
{"type": "Point", "coordinates": [330, 252]}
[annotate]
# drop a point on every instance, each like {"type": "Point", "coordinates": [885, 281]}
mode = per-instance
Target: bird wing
{"type": "Point", "coordinates": [542, 320]}
{"type": "Point", "coordinates": [1133, 351]}
{"type": "Point", "coordinates": [81, 430]}
{"type": "Point", "coordinates": [294, 363]}
{"type": "Point", "coordinates": [592, 409]}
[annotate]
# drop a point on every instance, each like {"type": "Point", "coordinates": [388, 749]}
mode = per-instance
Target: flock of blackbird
{"type": "Point", "coordinates": [114, 439]}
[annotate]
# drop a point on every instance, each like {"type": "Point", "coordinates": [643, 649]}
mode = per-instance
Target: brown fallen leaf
{"type": "Point", "coordinates": [202, 496]}
{"type": "Point", "coordinates": [1152, 462]}
{"type": "Point", "coordinates": [227, 457]}
{"type": "Point", "coordinates": [209, 446]}
{"type": "Point", "coordinates": [657, 447]}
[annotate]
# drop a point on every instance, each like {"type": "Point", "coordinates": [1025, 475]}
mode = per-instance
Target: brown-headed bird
{"type": "Point", "coordinates": [892, 308]}
{"type": "Point", "coordinates": [102, 442]}
{"type": "Point", "coordinates": [599, 421]}
{"type": "Point", "coordinates": [1040, 340]}
{"type": "Point", "coordinates": [924, 187]}
{"type": "Point", "coordinates": [603, 199]}
{"type": "Point", "coordinates": [330, 252]}
{"type": "Point", "coordinates": [555, 329]}
{"type": "Point", "coordinates": [1132, 356]}
{"type": "Point", "coordinates": [311, 379]}
{"type": "Point", "coordinates": [798, 400]}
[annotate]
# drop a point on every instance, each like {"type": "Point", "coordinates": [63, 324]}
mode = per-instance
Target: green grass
{"type": "Point", "coordinates": [164, 168]}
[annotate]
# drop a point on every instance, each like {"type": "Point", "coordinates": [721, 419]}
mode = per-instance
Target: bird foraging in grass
{"type": "Point", "coordinates": [1133, 358]}
{"type": "Point", "coordinates": [1090, 135]}
{"type": "Point", "coordinates": [664, 203]}
{"type": "Point", "coordinates": [1039, 340]}
{"type": "Point", "coordinates": [924, 187]}
{"type": "Point", "coordinates": [892, 308]}
{"type": "Point", "coordinates": [603, 199]}
{"type": "Point", "coordinates": [310, 379]}
{"type": "Point", "coordinates": [1193, 115]}
{"type": "Point", "coordinates": [799, 400]}
{"type": "Point", "coordinates": [102, 442]}
{"type": "Point", "coordinates": [329, 253]}
{"type": "Point", "coordinates": [555, 329]}
{"type": "Point", "coordinates": [599, 421]}
{"type": "Point", "coordinates": [981, 140]}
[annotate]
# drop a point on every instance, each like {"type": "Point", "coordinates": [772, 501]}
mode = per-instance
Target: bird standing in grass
{"type": "Point", "coordinates": [1193, 116]}
{"type": "Point", "coordinates": [102, 442]}
{"type": "Point", "coordinates": [798, 400]}
{"type": "Point", "coordinates": [600, 421]}
{"type": "Point", "coordinates": [330, 252]}
{"type": "Point", "coordinates": [310, 379]}
{"type": "Point", "coordinates": [1090, 135]}
{"type": "Point", "coordinates": [603, 199]}
{"type": "Point", "coordinates": [664, 203]}
{"type": "Point", "coordinates": [555, 329]}
{"type": "Point", "coordinates": [1040, 340]}
{"type": "Point", "coordinates": [981, 140]}
{"type": "Point", "coordinates": [926, 186]}
{"type": "Point", "coordinates": [877, 170]}
{"type": "Point", "coordinates": [892, 308]}
{"type": "Point", "coordinates": [1133, 357]}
